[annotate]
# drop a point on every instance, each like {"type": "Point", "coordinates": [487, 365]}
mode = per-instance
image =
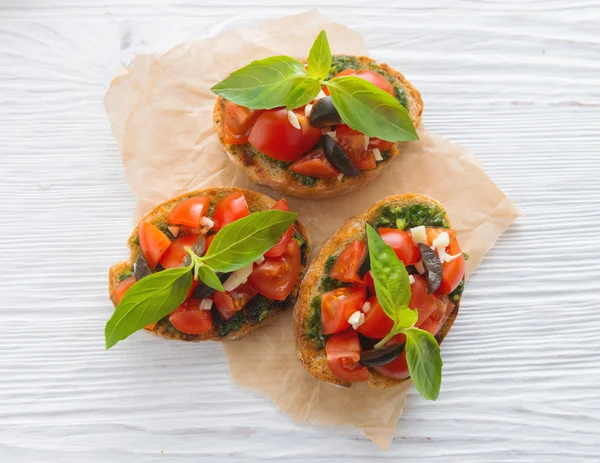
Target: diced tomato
{"type": "Point", "coordinates": [370, 283]}
{"type": "Point", "coordinates": [375, 78]}
{"type": "Point", "coordinates": [397, 368]}
{"type": "Point", "coordinates": [377, 324]}
{"type": "Point", "coordinates": [276, 276]}
{"type": "Point", "coordinates": [176, 253]}
{"type": "Point", "coordinates": [231, 208]}
{"type": "Point", "coordinates": [402, 244]}
{"type": "Point", "coordinates": [189, 212]}
{"type": "Point", "coordinates": [348, 262]}
{"type": "Point", "coordinates": [380, 144]}
{"type": "Point", "coordinates": [189, 318]}
{"type": "Point", "coordinates": [238, 121]}
{"type": "Point", "coordinates": [153, 242]}
{"type": "Point", "coordinates": [438, 318]}
{"type": "Point", "coordinates": [343, 354]}
{"type": "Point", "coordinates": [281, 205]}
{"type": "Point", "coordinates": [425, 303]}
{"type": "Point", "coordinates": [122, 288]}
{"type": "Point", "coordinates": [315, 164]}
{"type": "Point", "coordinates": [274, 135]}
{"type": "Point", "coordinates": [453, 271]}
{"type": "Point", "coordinates": [281, 245]}
{"type": "Point", "coordinates": [229, 303]}
{"type": "Point", "coordinates": [353, 143]}
{"type": "Point", "coordinates": [338, 305]}
{"type": "Point", "coordinates": [434, 232]}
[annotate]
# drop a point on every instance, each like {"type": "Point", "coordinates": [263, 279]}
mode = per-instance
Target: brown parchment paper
{"type": "Point", "coordinates": [160, 110]}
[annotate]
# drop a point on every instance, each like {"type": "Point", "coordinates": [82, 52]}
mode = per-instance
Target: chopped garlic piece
{"type": "Point", "coordinates": [205, 304]}
{"type": "Point", "coordinates": [441, 241]}
{"type": "Point", "coordinates": [294, 119]}
{"type": "Point", "coordinates": [450, 257]}
{"type": "Point", "coordinates": [207, 224]}
{"type": "Point", "coordinates": [420, 268]}
{"type": "Point", "coordinates": [356, 319]}
{"type": "Point", "coordinates": [411, 279]}
{"type": "Point", "coordinates": [324, 130]}
{"type": "Point", "coordinates": [419, 235]}
{"type": "Point", "coordinates": [366, 142]}
{"type": "Point", "coordinates": [174, 230]}
{"type": "Point", "coordinates": [441, 252]}
{"type": "Point", "coordinates": [260, 260]}
{"type": "Point", "coordinates": [377, 154]}
{"type": "Point", "coordinates": [320, 95]}
{"type": "Point", "coordinates": [238, 277]}
{"type": "Point", "coordinates": [332, 135]}
{"type": "Point", "coordinates": [340, 177]}
{"type": "Point", "coordinates": [366, 307]}
{"type": "Point", "coordinates": [307, 110]}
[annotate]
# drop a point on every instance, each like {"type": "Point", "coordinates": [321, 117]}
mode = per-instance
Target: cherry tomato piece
{"type": "Point", "coordinates": [348, 262]}
{"type": "Point", "coordinates": [231, 208]}
{"type": "Point", "coordinates": [276, 276]}
{"type": "Point", "coordinates": [281, 245]}
{"type": "Point", "coordinates": [338, 305]}
{"type": "Point", "coordinates": [315, 164]}
{"type": "Point", "coordinates": [189, 212]}
{"type": "Point", "coordinates": [122, 288]}
{"type": "Point", "coordinates": [153, 242]}
{"type": "Point", "coordinates": [377, 324]}
{"type": "Point", "coordinates": [229, 303]}
{"type": "Point", "coordinates": [274, 135]}
{"type": "Point", "coordinates": [189, 318]}
{"type": "Point", "coordinates": [371, 76]}
{"type": "Point", "coordinates": [402, 244]}
{"type": "Point", "coordinates": [453, 271]}
{"type": "Point", "coordinates": [174, 256]}
{"type": "Point", "coordinates": [353, 143]}
{"type": "Point", "coordinates": [343, 354]}
{"type": "Point", "coordinates": [238, 121]}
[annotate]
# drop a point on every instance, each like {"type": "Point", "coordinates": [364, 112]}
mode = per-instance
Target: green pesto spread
{"type": "Point", "coordinates": [313, 327]}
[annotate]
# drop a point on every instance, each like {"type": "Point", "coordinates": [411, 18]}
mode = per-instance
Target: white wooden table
{"type": "Point", "coordinates": [517, 82]}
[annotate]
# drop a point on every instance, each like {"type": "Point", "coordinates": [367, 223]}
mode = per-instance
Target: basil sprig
{"type": "Point", "coordinates": [234, 246]}
{"type": "Point", "coordinates": [284, 81]}
{"type": "Point", "coordinates": [392, 287]}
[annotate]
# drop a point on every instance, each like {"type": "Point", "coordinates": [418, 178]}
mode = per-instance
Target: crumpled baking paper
{"type": "Point", "coordinates": [160, 110]}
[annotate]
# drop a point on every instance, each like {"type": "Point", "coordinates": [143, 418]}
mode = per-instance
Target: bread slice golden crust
{"type": "Point", "coordinates": [266, 172]}
{"type": "Point", "coordinates": [315, 361]}
{"type": "Point", "coordinates": [256, 202]}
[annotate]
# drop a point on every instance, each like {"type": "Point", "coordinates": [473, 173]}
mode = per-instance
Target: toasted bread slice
{"type": "Point", "coordinates": [266, 171]}
{"type": "Point", "coordinates": [314, 360]}
{"type": "Point", "coordinates": [158, 215]}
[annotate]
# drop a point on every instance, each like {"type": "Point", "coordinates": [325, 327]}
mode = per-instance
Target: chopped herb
{"type": "Point", "coordinates": [455, 295]}
{"type": "Point", "coordinates": [340, 63]}
{"type": "Point", "coordinates": [126, 274]}
{"type": "Point", "coordinates": [385, 155]}
{"type": "Point", "coordinates": [258, 308]}
{"type": "Point", "coordinates": [466, 256]}
{"type": "Point", "coordinates": [412, 216]}
{"type": "Point", "coordinates": [165, 229]}
{"type": "Point", "coordinates": [136, 240]}
{"type": "Point", "coordinates": [329, 263]}
{"type": "Point", "coordinates": [301, 240]}
{"type": "Point", "coordinates": [313, 327]}
{"type": "Point", "coordinates": [235, 323]}
{"type": "Point", "coordinates": [304, 179]}
{"type": "Point", "coordinates": [328, 283]}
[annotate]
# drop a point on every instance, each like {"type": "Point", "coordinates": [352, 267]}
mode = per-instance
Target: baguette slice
{"type": "Point", "coordinates": [315, 361]}
{"type": "Point", "coordinates": [256, 202]}
{"type": "Point", "coordinates": [265, 171]}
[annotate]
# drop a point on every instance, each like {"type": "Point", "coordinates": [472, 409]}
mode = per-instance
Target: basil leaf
{"type": "Point", "coordinates": [370, 110]}
{"type": "Point", "coordinates": [242, 242]}
{"type": "Point", "coordinates": [304, 93]}
{"type": "Point", "coordinates": [319, 58]}
{"type": "Point", "coordinates": [263, 84]}
{"type": "Point", "coordinates": [147, 301]}
{"type": "Point", "coordinates": [424, 362]}
{"type": "Point", "coordinates": [209, 277]}
{"type": "Point", "coordinates": [392, 285]}
{"type": "Point", "coordinates": [406, 318]}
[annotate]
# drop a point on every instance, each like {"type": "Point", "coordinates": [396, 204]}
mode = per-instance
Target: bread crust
{"type": "Point", "coordinates": [256, 202]}
{"type": "Point", "coordinates": [264, 172]}
{"type": "Point", "coordinates": [316, 361]}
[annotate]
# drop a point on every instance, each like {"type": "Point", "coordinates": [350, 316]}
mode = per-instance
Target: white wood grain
{"type": "Point", "coordinates": [517, 82]}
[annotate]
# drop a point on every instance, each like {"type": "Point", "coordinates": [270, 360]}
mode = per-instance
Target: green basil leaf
{"type": "Point", "coordinates": [406, 318]}
{"type": "Point", "coordinates": [424, 362]}
{"type": "Point", "coordinates": [319, 58]}
{"type": "Point", "coordinates": [147, 301]}
{"type": "Point", "coordinates": [263, 84]}
{"type": "Point", "coordinates": [304, 93]}
{"type": "Point", "coordinates": [392, 285]}
{"type": "Point", "coordinates": [209, 277]}
{"type": "Point", "coordinates": [242, 242]}
{"type": "Point", "coordinates": [370, 110]}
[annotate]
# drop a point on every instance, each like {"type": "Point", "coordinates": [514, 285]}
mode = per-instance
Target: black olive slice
{"type": "Point", "coordinates": [336, 155]}
{"type": "Point", "coordinates": [380, 356]}
{"type": "Point", "coordinates": [141, 268]}
{"type": "Point", "coordinates": [198, 249]}
{"type": "Point", "coordinates": [323, 113]}
{"type": "Point", "coordinates": [202, 291]}
{"type": "Point", "coordinates": [432, 266]}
